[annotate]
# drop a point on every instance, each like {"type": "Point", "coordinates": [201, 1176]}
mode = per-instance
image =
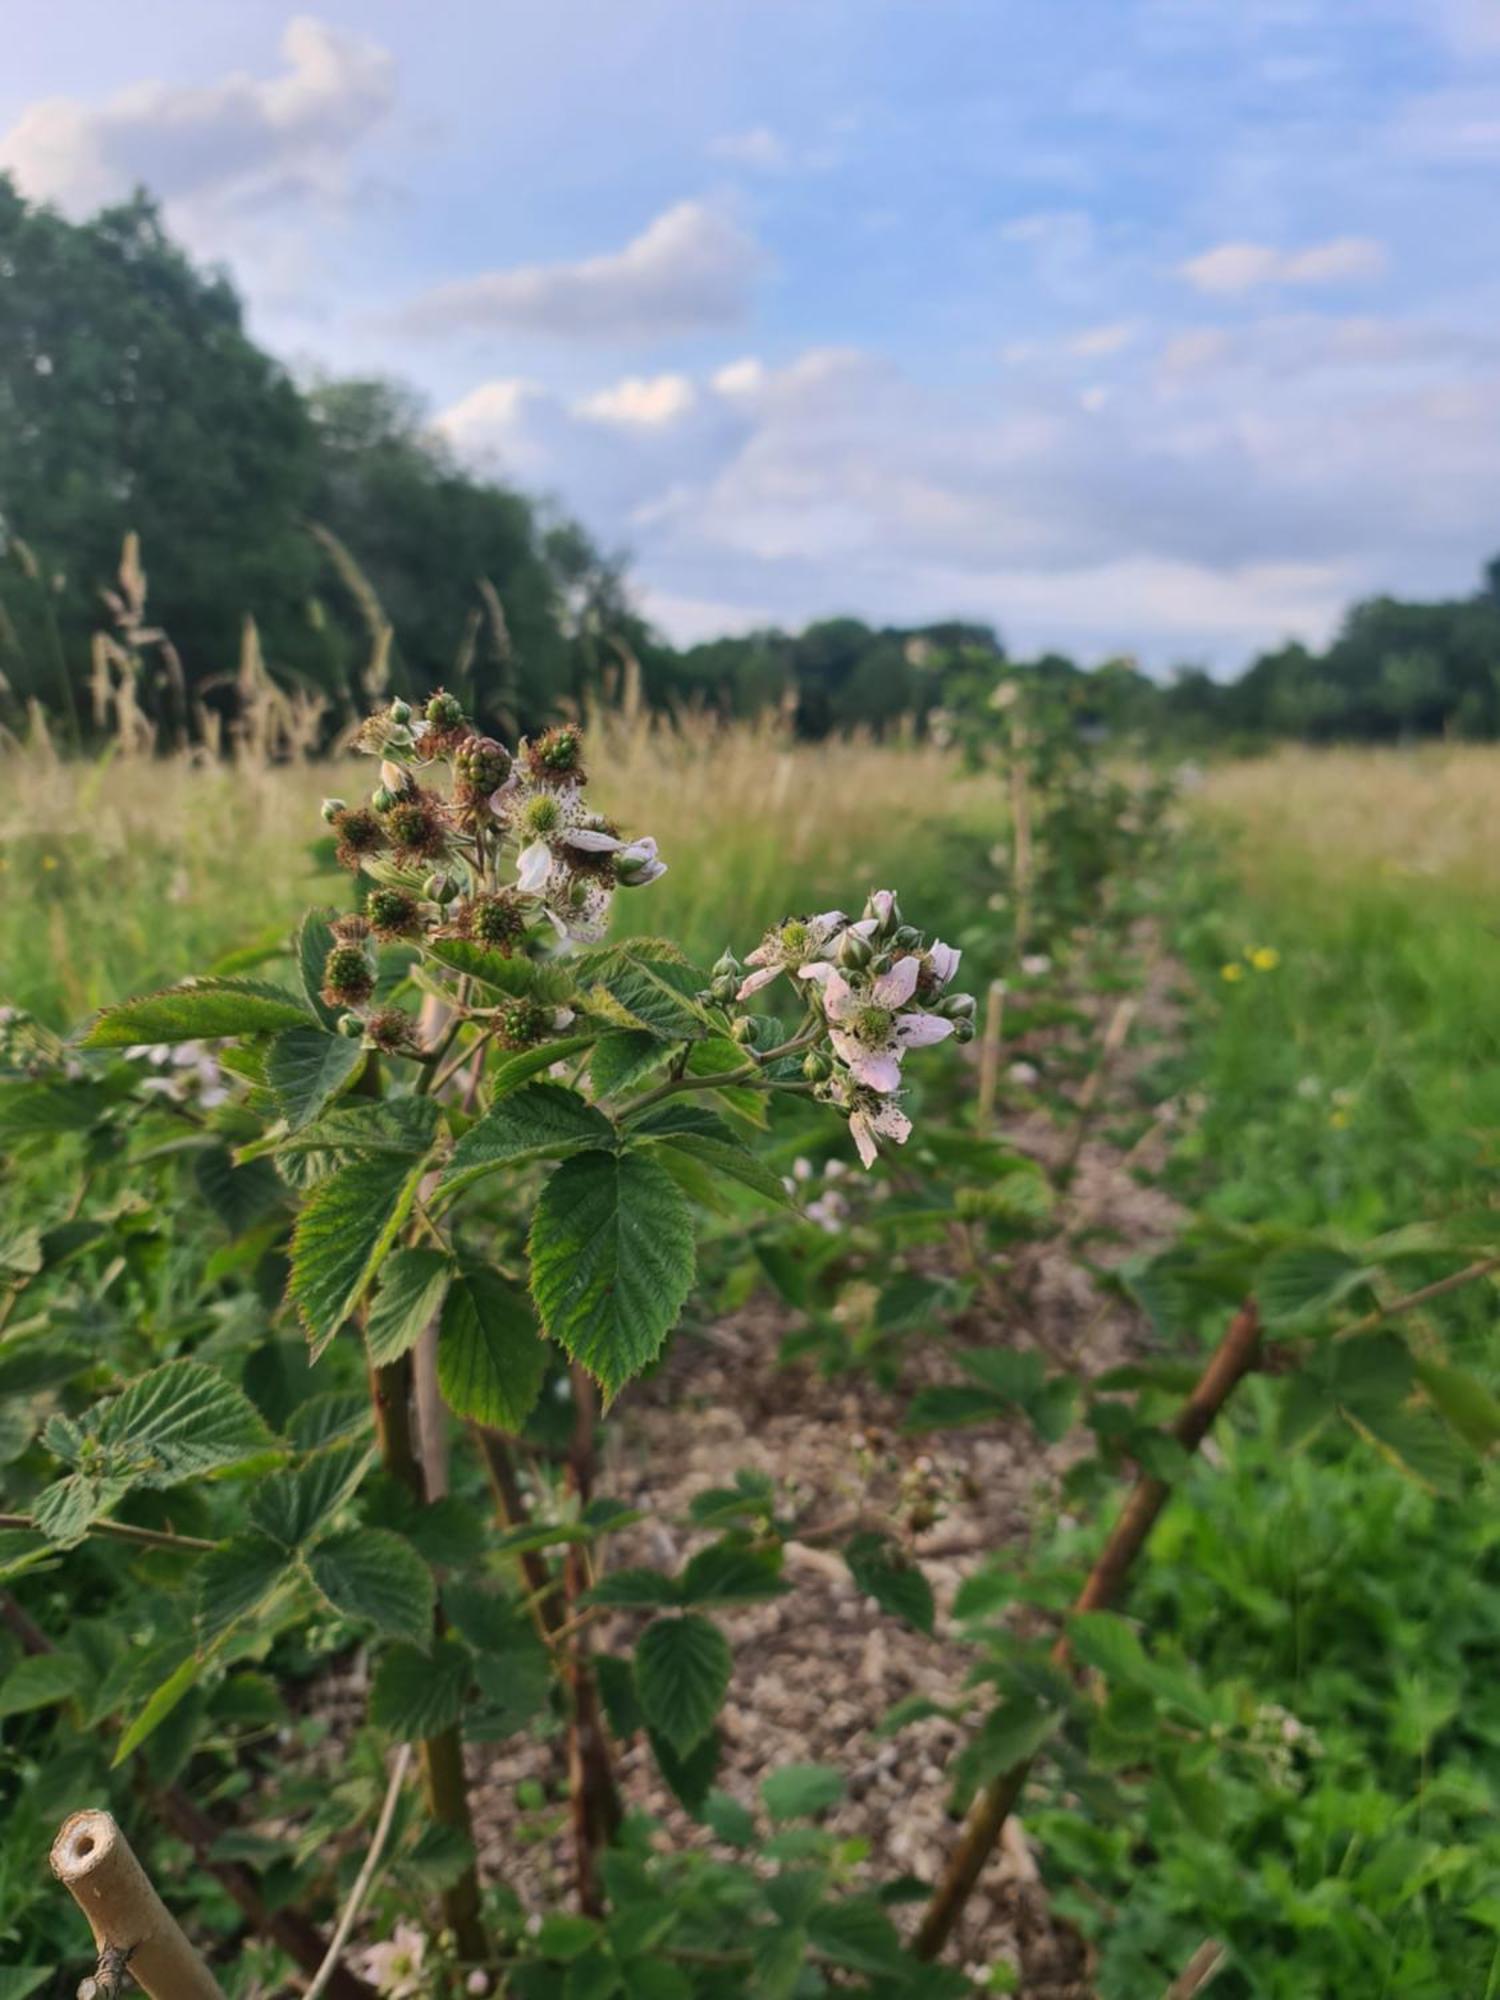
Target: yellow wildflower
{"type": "Point", "coordinates": [1338, 1120]}
{"type": "Point", "coordinates": [1231, 972]}
{"type": "Point", "coordinates": [1265, 958]}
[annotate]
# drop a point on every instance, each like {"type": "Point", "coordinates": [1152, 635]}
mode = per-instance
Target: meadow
{"type": "Point", "coordinates": [1273, 1777]}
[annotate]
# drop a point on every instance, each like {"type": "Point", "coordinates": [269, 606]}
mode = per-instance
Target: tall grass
{"type": "Point", "coordinates": [131, 871]}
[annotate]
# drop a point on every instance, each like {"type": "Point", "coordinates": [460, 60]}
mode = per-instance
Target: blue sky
{"type": "Point", "coordinates": [1158, 326]}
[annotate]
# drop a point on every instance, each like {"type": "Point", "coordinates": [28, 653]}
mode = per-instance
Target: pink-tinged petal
{"type": "Point", "coordinates": [864, 1140]}
{"type": "Point", "coordinates": [891, 1122]}
{"type": "Point", "coordinates": [762, 955]}
{"type": "Point", "coordinates": [650, 871]}
{"type": "Point", "coordinates": [839, 1000]}
{"type": "Point", "coordinates": [944, 961]}
{"type": "Point", "coordinates": [593, 842]}
{"type": "Point", "coordinates": [846, 1047]}
{"type": "Point", "coordinates": [920, 1031]}
{"type": "Point", "coordinates": [884, 901]}
{"type": "Point", "coordinates": [879, 1068]}
{"type": "Point", "coordinates": [866, 928]}
{"type": "Point", "coordinates": [825, 926]}
{"type": "Point", "coordinates": [820, 971]}
{"type": "Point", "coordinates": [756, 980]}
{"type": "Point", "coordinates": [894, 988]}
{"type": "Point", "coordinates": [533, 866]}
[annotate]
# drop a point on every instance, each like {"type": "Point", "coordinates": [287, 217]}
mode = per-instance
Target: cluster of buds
{"type": "Point", "coordinates": [876, 988]}
{"type": "Point", "coordinates": [506, 854]}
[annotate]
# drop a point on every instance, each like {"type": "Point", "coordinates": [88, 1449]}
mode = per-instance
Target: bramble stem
{"type": "Point", "coordinates": [593, 1794]}
{"type": "Point", "coordinates": [442, 1755]}
{"type": "Point", "coordinates": [122, 1531]}
{"type": "Point", "coordinates": [1233, 1359]}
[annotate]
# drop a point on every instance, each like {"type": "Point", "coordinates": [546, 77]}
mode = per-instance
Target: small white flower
{"type": "Point", "coordinates": [868, 1032]}
{"type": "Point", "coordinates": [1023, 1073]}
{"type": "Point", "coordinates": [791, 946]}
{"type": "Point", "coordinates": [395, 1967]}
{"type": "Point", "coordinates": [878, 1121]}
{"type": "Point", "coordinates": [1036, 964]}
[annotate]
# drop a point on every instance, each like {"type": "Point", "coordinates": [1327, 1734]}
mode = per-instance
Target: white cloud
{"type": "Point", "coordinates": [1102, 340]}
{"type": "Point", "coordinates": [1246, 267]}
{"type": "Point", "coordinates": [641, 399]}
{"type": "Point", "coordinates": [759, 148]}
{"type": "Point", "coordinates": [1229, 490]}
{"type": "Point", "coordinates": [691, 268]}
{"type": "Point", "coordinates": [244, 140]}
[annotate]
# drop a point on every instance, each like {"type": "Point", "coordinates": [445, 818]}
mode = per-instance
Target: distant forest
{"type": "Point", "coordinates": [132, 399]}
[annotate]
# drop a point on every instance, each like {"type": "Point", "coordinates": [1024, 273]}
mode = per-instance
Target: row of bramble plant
{"type": "Point", "coordinates": [472, 1127]}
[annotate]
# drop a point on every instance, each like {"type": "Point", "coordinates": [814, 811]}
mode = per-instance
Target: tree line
{"type": "Point", "coordinates": [132, 399]}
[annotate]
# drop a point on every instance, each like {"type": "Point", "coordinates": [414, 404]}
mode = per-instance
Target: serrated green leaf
{"type": "Point", "coordinates": [687, 1774]}
{"type": "Point", "coordinates": [1463, 1401]}
{"type": "Point", "coordinates": [292, 1504]}
{"type": "Point", "coordinates": [611, 1262]}
{"type": "Point", "coordinates": [634, 1589]}
{"type": "Point", "coordinates": [946, 1405]}
{"type": "Point", "coordinates": [348, 1225]}
{"type": "Point", "coordinates": [375, 1577]}
{"type": "Point", "coordinates": [1415, 1440]}
{"type": "Point", "coordinates": [511, 1071]}
{"type": "Point", "coordinates": [205, 1012]}
{"type": "Point", "coordinates": [728, 1159]}
{"type": "Point", "coordinates": [801, 1791]}
{"type": "Point", "coordinates": [623, 1057]}
{"type": "Point", "coordinates": [725, 1816]}
{"type": "Point", "coordinates": [515, 976]}
{"type": "Point", "coordinates": [1011, 1733]}
{"type": "Point", "coordinates": [857, 1932]}
{"type": "Point", "coordinates": [682, 1669]}
{"type": "Point", "coordinates": [624, 987]}
{"type": "Point", "coordinates": [400, 1127]}
{"type": "Point", "coordinates": [729, 1573]}
{"type": "Point", "coordinates": [1008, 1371]}
{"type": "Point", "coordinates": [491, 1358]}
{"type": "Point", "coordinates": [240, 1194]}
{"type": "Point", "coordinates": [418, 1693]}
{"type": "Point", "coordinates": [41, 1681]}
{"type": "Point", "coordinates": [159, 1706]}
{"type": "Point", "coordinates": [897, 1585]}
{"type": "Point", "coordinates": [538, 1121]}
{"type": "Point", "coordinates": [1300, 1281]}
{"type": "Point", "coordinates": [315, 939]}
{"type": "Point", "coordinates": [326, 1419]}
{"type": "Point", "coordinates": [413, 1285]}
{"type": "Point", "coordinates": [306, 1069]}
{"type": "Point", "coordinates": [180, 1421]}
{"type": "Point", "coordinates": [234, 1581]}
{"type": "Point", "coordinates": [1103, 1640]}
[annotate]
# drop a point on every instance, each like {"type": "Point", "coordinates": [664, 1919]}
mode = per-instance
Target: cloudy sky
{"type": "Point", "coordinates": [1164, 326]}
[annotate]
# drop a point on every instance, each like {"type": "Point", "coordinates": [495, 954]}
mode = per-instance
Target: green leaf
{"type": "Point", "coordinates": [594, 1976]}
{"type": "Point", "coordinates": [19, 1982]}
{"type": "Point", "coordinates": [548, 983]}
{"type": "Point", "coordinates": [634, 1589]}
{"type": "Point", "coordinates": [1013, 1732]}
{"type": "Point", "coordinates": [729, 1573]}
{"type": "Point", "coordinates": [348, 1224]}
{"type": "Point", "coordinates": [733, 1823]}
{"type": "Point", "coordinates": [401, 1127]}
{"type": "Point", "coordinates": [315, 940]}
{"type": "Point", "coordinates": [413, 1285]}
{"type": "Point", "coordinates": [491, 1359]}
{"type": "Point", "coordinates": [622, 1058]}
{"type": "Point", "coordinates": [1010, 1373]}
{"type": "Point", "coordinates": [881, 1571]}
{"type": "Point", "coordinates": [611, 1262]}
{"type": "Point", "coordinates": [306, 1069]}
{"type": "Point", "coordinates": [181, 1420]}
{"type": "Point", "coordinates": [375, 1577]}
{"type": "Point", "coordinates": [689, 1774]}
{"type": "Point", "coordinates": [566, 1937]}
{"type": "Point", "coordinates": [1102, 1639]}
{"type": "Point", "coordinates": [631, 988]}
{"type": "Point", "coordinates": [858, 1933]}
{"type": "Point", "coordinates": [419, 1693]}
{"type": "Point", "coordinates": [538, 1121]}
{"type": "Point", "coordinates": [1302, 1280]}
{"type": "Point", "coordinates": [291, 1505]}
{"type": "Point", "coordinates": [41, 1681]}
{"type": "Point", "coordinates": [240, 1195]}
{"type": "Point", "coordinates": [801, 1791]}
{"type": "Point", "coordinates": [682, 1669]}
{"type": "Point", "coordinates": [204, 1012]}
{"type": "Point", "coordinates": [159, 1706]}
{"type": "Point", "coordinates": [234, 1581]}
{"type": "Point", "coordinates": [946, 1405]}
{"type": "Point", "coordinates": [511, 1071]}
{"type": "Point", "coordinates": [1416, 1441]}
{"type": "Point", "coordinates": [1462, 1401]}
{"type": "Point", "coordinates": [727, 1158]}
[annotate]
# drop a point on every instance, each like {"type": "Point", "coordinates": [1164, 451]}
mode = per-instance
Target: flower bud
{"type": "Point", "coordinates": [440, 889]}
{"type": "Point", "coordinates": [726, 964]}
{"type": "Point", "coordinates": [745, 1030]}
{"type": "Point", "coordinates": [817, 1066]}
{"type": "Point", "coordinates": [331, 808]}
{"type": "Point", "coordinates": [886, 912]}
{"type": "Point", "coordinates": [724, 988]}
{"type": "Point", "coordinates": [351, 1027]}
{"type": "Point", "coordinates": [908, 937]}
{"type": "Point", "coordinates": [400, 712]}
{"type": "Point", "coordinates": [392, 776]}
{"type": "Point", "coordinates": [957, 1006]}
{"type": "Point", "coordinates": [382, 798]}
{"type": "Point", "coordinates": [963, 1031]}
{"type": "Point", "coordinates": [854, 952]}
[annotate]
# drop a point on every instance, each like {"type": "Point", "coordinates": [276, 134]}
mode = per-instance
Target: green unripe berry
{"type": "Point", "coordinates": [348, 976]}
{"type": "Point", "coordinates": [400, 712]}
{"type": "Point", "coordinates": [445, 711]}
{"type": "Point", "coordinates": [331, 808]}
{"type": "Point", "coordinates": [382, 798]}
